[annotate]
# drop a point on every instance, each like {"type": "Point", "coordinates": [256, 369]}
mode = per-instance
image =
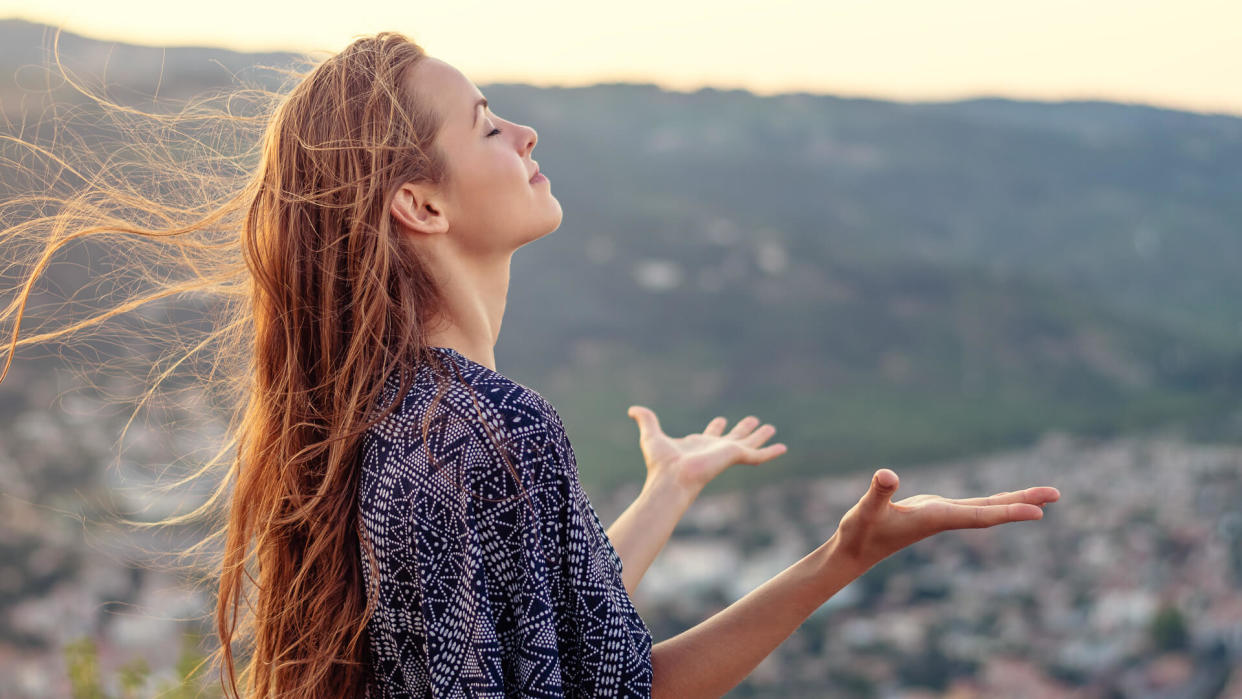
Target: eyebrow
{"type": "Point", "coordinates": [476, 110]}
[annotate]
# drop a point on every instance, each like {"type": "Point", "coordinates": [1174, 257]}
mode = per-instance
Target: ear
{"type": "Point", "coordinates": [416, 206]}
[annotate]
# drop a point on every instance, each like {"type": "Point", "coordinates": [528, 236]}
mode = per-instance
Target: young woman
{"type": "Point", "coordinates": [410, 520]}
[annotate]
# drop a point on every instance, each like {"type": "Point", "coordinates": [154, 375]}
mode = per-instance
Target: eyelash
{"type": "Point", "coordinates": [494, 132]}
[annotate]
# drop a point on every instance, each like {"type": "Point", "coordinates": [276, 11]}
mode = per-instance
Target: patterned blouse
{"type": "Point", "coordinates": [482, 592]}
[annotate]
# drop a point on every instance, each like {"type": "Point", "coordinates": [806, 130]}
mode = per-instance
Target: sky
{"type": "Point", "coordinates": [1182, 54]}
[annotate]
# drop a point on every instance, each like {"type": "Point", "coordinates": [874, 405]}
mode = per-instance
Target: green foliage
{"type": "Point", "coordinates": [193, 680]}
{"type": "Point", "coordinates": [82, 664]}
{"type": "Point", "coordinates": [1169, 630]}
{"type": "Point", "coordinates": [132, 677]}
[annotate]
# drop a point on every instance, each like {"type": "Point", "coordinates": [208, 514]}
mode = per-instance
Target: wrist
{"type": "Point", "coordinates": [837, 563]}
{"type": "Point", "coordinates": [668, 491]}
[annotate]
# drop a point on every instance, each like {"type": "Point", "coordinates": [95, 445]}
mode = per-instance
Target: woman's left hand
{"type": "Point", "coordinates": [691, 462]}
{"type": "Point", "coordinates": [876, 527]}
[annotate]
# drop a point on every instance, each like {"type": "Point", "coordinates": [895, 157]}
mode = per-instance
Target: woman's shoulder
{"type": "Point", "coordinates": [462, 389]}
{"type": "Point", "coordinates": [468, 418]}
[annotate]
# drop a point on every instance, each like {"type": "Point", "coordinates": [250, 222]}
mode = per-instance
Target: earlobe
{"type": "Point", "coordinates": [418, 210]}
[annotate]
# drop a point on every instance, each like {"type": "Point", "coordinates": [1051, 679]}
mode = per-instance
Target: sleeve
{"type": "Point", "coordinates": [516, 597]}
{"type": "Point", "coordinates": [606, 646]}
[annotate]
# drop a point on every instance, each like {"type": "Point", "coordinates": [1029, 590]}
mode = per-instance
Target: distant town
{"type": "Point", "coordinates": [1130, 586]}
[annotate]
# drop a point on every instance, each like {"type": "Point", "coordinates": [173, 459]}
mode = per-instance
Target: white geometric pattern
{"type": "Point", "coordinates": [482, 594]}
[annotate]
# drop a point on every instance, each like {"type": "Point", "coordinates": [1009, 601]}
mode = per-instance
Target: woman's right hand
{"type": "Point", "coordinates": [711, 658]}
{"type": "Point", "coordinates": [876, 527]}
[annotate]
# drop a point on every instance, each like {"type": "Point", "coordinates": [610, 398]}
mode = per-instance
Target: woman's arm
{"type": "Point", "coordinates": [714, 656]}
{"type": "Point", "coordinates": [645, 526]}
{"type": "Point", "coordinates": [677, 471]}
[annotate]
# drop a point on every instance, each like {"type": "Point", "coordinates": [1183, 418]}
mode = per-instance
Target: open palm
{"type": "Point", "coordinates": [876, 526]}
{"type": "Point", "coordinates": [691, 462]}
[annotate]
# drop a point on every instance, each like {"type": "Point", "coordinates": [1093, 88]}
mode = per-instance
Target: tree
{"type": "Point", "coordinates": [1168, 629]}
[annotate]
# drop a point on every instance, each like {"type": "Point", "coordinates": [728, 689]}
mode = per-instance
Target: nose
{"type": "Point", "coordinates": [531, 139]}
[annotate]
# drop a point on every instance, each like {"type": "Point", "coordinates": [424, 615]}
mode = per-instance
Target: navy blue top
{"type": "Point", "coordinates": [482, 593]}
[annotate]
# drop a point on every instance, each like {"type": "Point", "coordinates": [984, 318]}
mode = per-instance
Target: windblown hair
{"type": "Point", "coordinates": [318, 301]}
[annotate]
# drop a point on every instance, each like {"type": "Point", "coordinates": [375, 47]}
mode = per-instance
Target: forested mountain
{"type": "Point", "coordinates": [886, 282]}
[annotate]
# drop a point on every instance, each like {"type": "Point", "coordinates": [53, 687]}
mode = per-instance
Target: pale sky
{"type": "Point", "coordinates": [1177, 53]}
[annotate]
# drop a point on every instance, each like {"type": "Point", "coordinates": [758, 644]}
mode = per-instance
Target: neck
{"type": "Point", "coordinates": [474, 295]}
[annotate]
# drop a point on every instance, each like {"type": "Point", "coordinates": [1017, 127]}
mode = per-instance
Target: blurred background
{"type": "Point", "coordinates": [986, 245]}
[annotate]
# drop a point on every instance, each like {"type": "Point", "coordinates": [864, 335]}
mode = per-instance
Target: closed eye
{"type": "Point", "coordinates": [494, 132]}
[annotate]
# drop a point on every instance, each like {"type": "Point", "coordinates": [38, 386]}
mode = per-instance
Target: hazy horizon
{"type": "Point", "coordinates": [1178, 57]}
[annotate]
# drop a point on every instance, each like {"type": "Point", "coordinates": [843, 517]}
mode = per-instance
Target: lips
{"type": "Point", "coordinates": [535, 173]}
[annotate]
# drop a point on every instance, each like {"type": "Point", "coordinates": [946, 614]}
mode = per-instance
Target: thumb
{"type": "Point", "coordinates": [646, 419]}
{"type": "Point", "coordinates": [883, 485]}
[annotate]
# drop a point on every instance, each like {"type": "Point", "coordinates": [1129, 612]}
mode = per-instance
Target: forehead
{"type": "Point", "coordinates": [447, 90]}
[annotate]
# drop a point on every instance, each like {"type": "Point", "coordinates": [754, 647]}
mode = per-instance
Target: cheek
{"type": "Point", "coordinates": [505, 180]}
{"type": "Point", "coordinates": [488, 176]}
{"type": "Point", "coordinates": [492, 188]}
{"type": "Point", "coordinates": [507, 167]}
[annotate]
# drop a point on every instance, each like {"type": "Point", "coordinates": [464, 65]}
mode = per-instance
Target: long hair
{"type": "Point", "coordinates": [318, 301]}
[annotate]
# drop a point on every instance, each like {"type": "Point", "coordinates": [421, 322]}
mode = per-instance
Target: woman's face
{"type": "Point", "coordinates": [490, 203]}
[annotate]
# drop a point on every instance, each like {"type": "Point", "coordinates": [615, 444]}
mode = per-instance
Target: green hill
{"type": "Point", "coordinates": [886, 282]}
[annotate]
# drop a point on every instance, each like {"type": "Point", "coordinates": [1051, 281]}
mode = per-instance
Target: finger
{"type": "Point", "coordinates": [979, 516]}
{"type": "Point", "coordinates": [743, 427]}
{"type": "Point", "coordinates": [1035, 496]}
{"type": "Point", "coordinates": [647, 421]}
{"type": "Point", "coordinates": [758, 456]}
{"type": "Point", "coordinates": [715, 428]}
{"type": "Point", "coordinates": [883, 485]}
{"type": "Point", "coordinates": [759, 436]}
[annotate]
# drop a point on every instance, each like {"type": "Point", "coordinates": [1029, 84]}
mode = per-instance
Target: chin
{"type": "Point", "coordinates": [537, 229]}
{"type": "Point", "coordinates": [554, 222]}
{"type": "Point", "coordinates": [559, 216]}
